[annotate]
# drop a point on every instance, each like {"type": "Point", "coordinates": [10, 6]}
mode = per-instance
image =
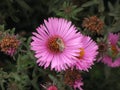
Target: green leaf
{"type": "Point", "coordinates": [110, 6]}
{"type": "Point", "coordinates": [24, 5]}
{"type": "Point", "coordinates": [14, 18]}
{"type": "Point", "coordinates": [1, 27]}
{"type": "Point", "coordinates": [56, 81]}
{"type": "Point", "coordinates": [115, 27]}
{"type": "Point", "coordinates": [101, 6]}
{"type": "Point", "coordinates": [90, 3]}
{"type": "Point", "coordinates": [16, 76]}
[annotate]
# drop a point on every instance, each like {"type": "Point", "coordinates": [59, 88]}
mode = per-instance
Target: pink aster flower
{"type": "Point", "coordinates": [78, 85]}
{"type": "Point", "coordinates": [113, 38]}
{"type": "Point", "coordinates": [87, 54]}
{"type": "Point", "coordinates": [112, 58]}
{"type": "Point", "coordinates": [108, 60]}
{"type": "Point", "coordinates": [55, 44]}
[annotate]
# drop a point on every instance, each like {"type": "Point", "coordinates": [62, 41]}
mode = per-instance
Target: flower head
{"type": "Point", "coordinates": [113, 38]}
{"type": "Point", "coordinates": [9, 44]}
{"type": "Point", "coordinates": [87, 53]}
{"type": "Point", "coordinates": [93, 24]}
{"type": "Point", "coordinates": [12, 86]}
{"type": "Point", "coordinates": [49, 86]}
{"type": "Point", "coordinates": [78, 84]}
{"type": "Point", "coordinates": [109, 61]}
{"type": "Point", "coordinates": [102, 49]}
{"type": "Point", "coordinates": [68, 11]}
{"type": "Point", "coordinates": [55, 44]}
{"type": "Point", "coordinates": [112, 57]}
{"type": "Point", "coordinates": [71, 75]}
{"type": "Point", "coordinates": [53, 87]}
{"type": "Point", "coordinates": [73, 78]}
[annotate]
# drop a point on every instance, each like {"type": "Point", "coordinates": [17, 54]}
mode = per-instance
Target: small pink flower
{"type": "Point", "coordinates": [56, 43]}
{"type": "Point", "coordinates": [108, 60]}
{"type": "Point", "coordinates": [87, 54]}
{"type": "Point", "coordinates": [52, 88]}
{"type": "Point", "coordinates": [112, 58]}
{"type": "Point", "coordinates": [113, 38]}
{"type": "Point", "coordinates": [78, 84]}
{"type": "Point", "coordinates": [49, 86]}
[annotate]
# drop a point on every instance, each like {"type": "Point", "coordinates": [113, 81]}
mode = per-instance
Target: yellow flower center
{"type": "Point", "coordinates": [114, 50]}
{"type": "Point", "coordinates": [81, 53]}
{"type": "Point", "coordinates": [55, 44]}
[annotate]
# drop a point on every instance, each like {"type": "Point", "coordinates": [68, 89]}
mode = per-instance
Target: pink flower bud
{"type": "Point", "coordinates": [52, 88]}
